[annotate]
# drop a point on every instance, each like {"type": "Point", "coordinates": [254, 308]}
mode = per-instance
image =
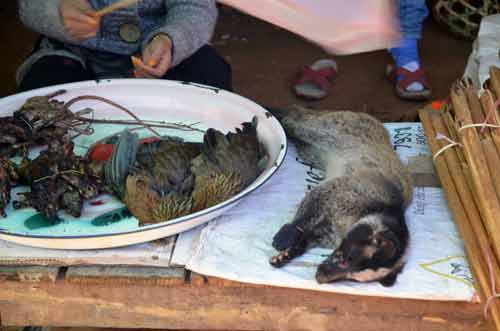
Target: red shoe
{"type": "Point", "coordinates": [402, 78]}
{"type": "Point", "coordinates": [315, 81]}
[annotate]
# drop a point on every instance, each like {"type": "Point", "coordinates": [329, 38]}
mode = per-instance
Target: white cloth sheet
{"type": "Point", "coordinates": [237, 246]}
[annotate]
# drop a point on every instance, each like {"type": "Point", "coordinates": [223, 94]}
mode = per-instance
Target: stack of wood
{"type": "Point", "coordinates": [464, 136]}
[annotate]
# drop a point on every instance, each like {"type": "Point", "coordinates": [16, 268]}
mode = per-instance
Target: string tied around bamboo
{"type": "Point", "coordinates": [485, 123]}
{"type": "Point", "coordinates": [494, 294]}
{"type": "Point", "coordinates": [452, 143]}
{"type": "Point", "coordinates": [491, 111]}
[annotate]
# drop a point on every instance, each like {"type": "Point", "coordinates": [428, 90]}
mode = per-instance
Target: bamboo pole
{"type": "Point", "coordinates": [493, 161]}
{"type": "Point", "coordinates": [464, 190]}
{"type": "Point", "coordinates": [463, 209]}
{"type": "Point", "coordinates": [495, 80]}
{"type": "Point", "coordinates": [476, 110]}
{"type": "Point", "coordinates": [453, 130]}
{"type": "Point", "coordinates": [479, 116]}
{"type": "Point", "coordinates": [488, 202]}
{"type": "Point", "coordinates": [487, 103]}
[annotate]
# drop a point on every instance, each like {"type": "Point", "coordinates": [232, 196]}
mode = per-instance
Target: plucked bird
{"type": "Point", "coordinates": [169, 178]}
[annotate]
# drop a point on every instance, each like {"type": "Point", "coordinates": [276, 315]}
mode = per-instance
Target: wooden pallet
{"type": "Point", "coordinates": [174, 298]}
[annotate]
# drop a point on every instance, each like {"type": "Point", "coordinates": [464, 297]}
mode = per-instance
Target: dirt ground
{"type": "Point", "coordinates": [265, 61]}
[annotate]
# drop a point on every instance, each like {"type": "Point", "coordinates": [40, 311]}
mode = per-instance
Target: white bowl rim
{"type": "Point", "coordinates": [183, 219]}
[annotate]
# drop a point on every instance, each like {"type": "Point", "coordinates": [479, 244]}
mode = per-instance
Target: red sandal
{"type": "Point", "coordinates": [402, 78]}
{"type": "Point", "coordinates": [314, 82]}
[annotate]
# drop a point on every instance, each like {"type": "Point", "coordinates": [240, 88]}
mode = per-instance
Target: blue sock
{"type": "Point", "coordinates": [406, 56]}
{"type": "Point", "coordinates": [406, 52]}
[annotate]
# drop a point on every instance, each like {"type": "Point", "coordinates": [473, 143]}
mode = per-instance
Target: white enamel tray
{"type": "Point", "coordinates": [152, 100]}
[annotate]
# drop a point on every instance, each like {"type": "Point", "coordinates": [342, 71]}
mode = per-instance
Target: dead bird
{"type": "Point", "coordinates": [58, 180]}
{"type": "Point", "coordinates": [170, 178]}
{"type": "Point", "coordinates": [358, 209]}
{"type": "Point", "coordinates": [8, 175]}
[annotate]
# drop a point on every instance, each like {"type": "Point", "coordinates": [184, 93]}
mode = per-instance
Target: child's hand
{"type": "Point", "coordinates": [78, 18]}
{"type": "Point", "coordinates": [156, 58]}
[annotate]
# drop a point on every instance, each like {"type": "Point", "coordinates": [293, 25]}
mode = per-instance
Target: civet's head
{"type": "Point", "coordinates": [373, 250]}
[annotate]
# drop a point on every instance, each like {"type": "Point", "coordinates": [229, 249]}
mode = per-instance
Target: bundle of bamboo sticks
{"type": "Point", "coordinates": [464, 136]}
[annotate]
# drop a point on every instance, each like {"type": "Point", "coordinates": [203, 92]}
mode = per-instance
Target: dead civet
{"type": "Point", "coordinates": [358, 209]}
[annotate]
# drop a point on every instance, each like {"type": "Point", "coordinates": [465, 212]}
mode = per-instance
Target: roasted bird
{"type": "Point", "coordinates": [8, 174]}
{"type": "Point", "coordinates": [59, 180]}
{"type": "Point", "coordinates": [41, 119]}
{"type": "Point", "coordinates": [169, 178]}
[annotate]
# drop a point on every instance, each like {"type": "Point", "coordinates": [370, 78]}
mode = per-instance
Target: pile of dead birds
{"type": "Point", "coordinates": [158, 179]}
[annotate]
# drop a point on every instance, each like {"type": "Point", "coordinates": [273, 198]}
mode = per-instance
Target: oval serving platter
{"type": "Point", "coordinates": [105, 222]}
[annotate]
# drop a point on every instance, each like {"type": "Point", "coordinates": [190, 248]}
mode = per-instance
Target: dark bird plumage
{"type": "Point", "coordinates": [170, 178]}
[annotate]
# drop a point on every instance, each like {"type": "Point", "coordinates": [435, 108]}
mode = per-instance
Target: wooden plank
{"type": "Point", "coordinates": [99, 329]}
{"type": "Point", "coordinates": [156, 253]}
{"type": "Point", "coordinates": [421, 164]}
{"type": "Point", "coordinates": [208, 307]}
{"type": "Point", "coordinates": [126, 275]}
{"type": "Point", "coordinates": [28, 274]}
{"type": "Point", "coordinates": [422, 171]}
{"type": "Point", "coordinates": [195, 279]}
{"type": "Point", "coordinates": [425, 180]}
{"type": "Point", "coordinates": [222, 282]}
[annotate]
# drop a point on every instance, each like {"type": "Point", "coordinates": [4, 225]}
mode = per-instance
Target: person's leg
{"type": "Point", "coordinates": [53, 70]}
{"type": "Point", "coordinates": [206, 67]}
{"type": "Point", "coordinates": [412, 13]}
